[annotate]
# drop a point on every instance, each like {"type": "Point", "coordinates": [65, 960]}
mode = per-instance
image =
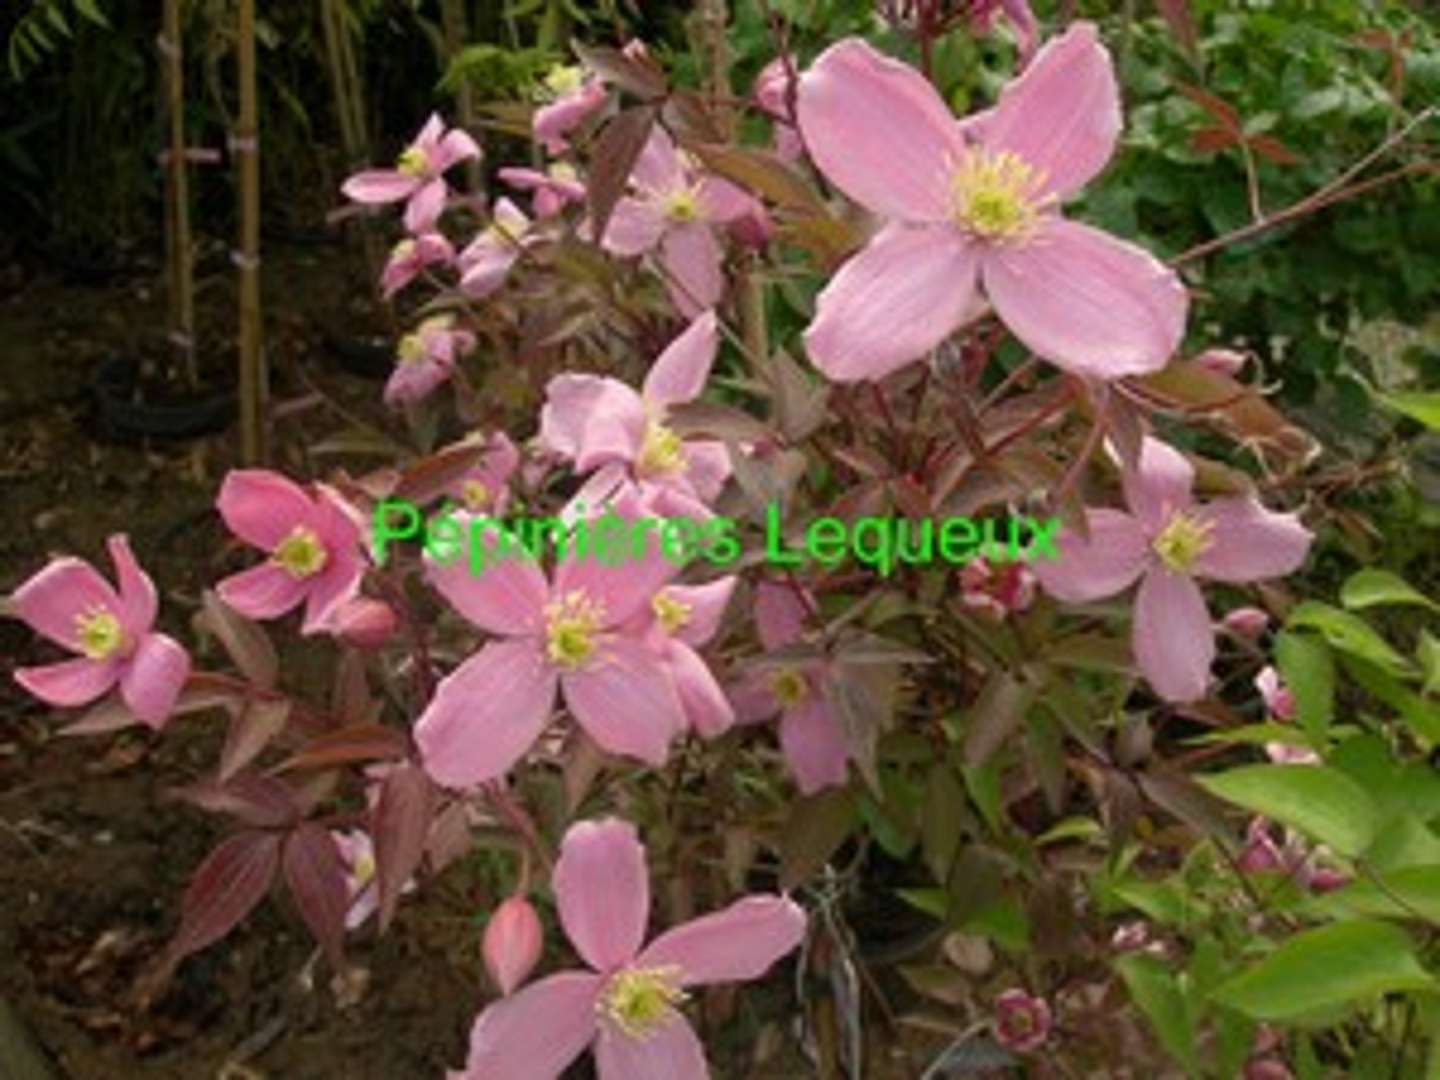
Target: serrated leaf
{"type": "Point", "coordinates": [817, 826]}
{"type": "Point", "coordinates": [1330, 967]}
{"type": "Point", "coordinates": [1321, 802]}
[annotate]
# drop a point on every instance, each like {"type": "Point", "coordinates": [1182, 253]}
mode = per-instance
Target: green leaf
{"type": "Point", "coordinates": [1320, 801]}
{"type": "Point", "coordinates": [1156, 990]}
{"type": "Point", "coordinates": [1403, 894]}
{"type": "Point", "coordinates": [1350, 634]}
{"type": "Point", "coordinates": [818, 825]}
{"type": "Point", "coordinates": [1369, 587]}
{"type": "Point", "coordinates": [1424, 407]}
{"type": "Point", "coordinates": [1427, 651]}
{"type": "Point", "coordinates": [1422, 716]}
{"type": "Point", "coordinates": [1309, 672]}
{"type": "Point", "coordinates": [1338, 965]}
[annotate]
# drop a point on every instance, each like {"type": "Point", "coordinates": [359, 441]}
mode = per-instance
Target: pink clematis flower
{"type": "Point", "coordinates": [571, 95]}
{"type": "Point", "coordinates": [673, 209]}
{"type": "Point", "coordinates": [556, 188]}
{"type": "Point", "coordinates": [997, 590]}
{"type": "Point", "coordinates": [426, 358]}
{"type": "Point", "coordinates": [357, 852]}
{"type": "Point", "coordinates": [625, 1006]}
{"type": "Point", "coordinates": [810, 734]}
{"type": "Point", "coordinates": [679, 620]}
{"type": "Point", "coordinates": [600, 423]}
{"type": "Point", "coordinates": [485, 489]}
{"type": "Point", "coordinates": [417, 176]}
{"type": "Point", "coordinates": [313, 546]}
{"type": "Point", "coordinates": [571, 635]}
{"type": "Point", "coordinates": [1278, 698]}
{"type": "Point", "coordinates": [1022, 1022]}
{"type": "Point", "coordinates": [486, 261]}
{"type": "Point", "coordinates": [976, 203]}
{"type": "Point", "coordinates": [1167, 541]}
{"type": "Point", "coordinates": [412, 255]}
{"type": "Point", "coordinates": [72, 605]}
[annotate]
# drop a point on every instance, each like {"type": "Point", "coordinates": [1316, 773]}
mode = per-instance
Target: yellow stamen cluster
{"type": "Point", "coordinates": [411, 349]}
{"type": "Point", "coordinates": [681, 205]}
{"type": "Point", "coordinates": [662, 452]}
{"type": "Point", "coordinates": [641, 1000]}
{"type": "Point", "coordinates": [301, 554]}
{"type": "Point", "coordinates": [100, 633]}
{"type": "Point", "coordinates": [476, 495]}
{"type": "Point", "coordinates": [405, 249]}
{"type": "Point", "coordinates": [997, 195]}
{"type": "Point", "coordinates": [572, 627]}
{"type": "Point", "coordinates": [672, 614]}
{"type": "Point", "coordinates": [413, 162]}
{"type": "Point", "coordinates": [363, 869]}
{"type": "Point", "coordinates": [1183, 540]}
{"type": "Point", "coordinates": [563, 171]}
{"type": "Point", "coordinates": [563, 80]}
{"type": "Point", "coordinates": [790, 687]}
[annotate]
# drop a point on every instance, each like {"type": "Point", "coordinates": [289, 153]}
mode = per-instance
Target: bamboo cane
{"type": "Point", "coordinates": [178, 243]}
{"type": "Point", "coordinates": [254, 388]}
{"type": "Point", "coordinates": [455, 27]}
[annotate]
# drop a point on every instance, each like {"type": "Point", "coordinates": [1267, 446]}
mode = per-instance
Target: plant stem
{"type": "Point", "coordinates": [182, 276]}
{"type": "Point", "coordinates": [254, 379]}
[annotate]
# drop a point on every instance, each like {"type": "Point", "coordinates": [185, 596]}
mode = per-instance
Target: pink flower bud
{"type": "Point", "coordinates": [1278, 699]}
{"type": "Point", "coordinates": [512, 943]}
{"type": "Point", "coordinates": [1022, 1022]}
{"type": "Point", "coordinates": [1325, 879]}
{"type": "Point", "coordinates": [1261, 853]}
{"type": "Point", "coordinates": [1267, 1069]}
{"type": "Point", "coordinates": [753, 229]}
{"type": "Point", "coordinates": [1131, 936]}
{"type": "Point", "coordinates": [364, 623]}
{"type": "Point", "coordinates": [1221, 361]}
{"type": "Point", "coordinates": [1246, 622]}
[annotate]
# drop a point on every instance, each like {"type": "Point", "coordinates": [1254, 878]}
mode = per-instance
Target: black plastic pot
{"type": "Point", "coordinates": [113, 386]}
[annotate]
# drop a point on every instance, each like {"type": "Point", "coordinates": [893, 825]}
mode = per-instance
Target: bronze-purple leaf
{"type": "Point", "coordinates": [616, 150]}
{"type": "Point", "coordinates": [224, 889]}
{"type": "Point", "coordinates": [315, 875]}
{"type": "Point", "coordinates": [400, 824]}
{"type": "Point", "coordinates": [247, 644]}
{"type": "Point", "coordinates": [255, 799]}
{"type": "Point", "coordinates": [348, 745]}
{"type": "Point", "coordinates": [642, 79]}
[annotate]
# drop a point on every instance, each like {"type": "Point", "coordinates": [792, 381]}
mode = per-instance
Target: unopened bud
{"type": "Point", "coordinates": [364, 623]}
{"type": "Point", "coordinates": [1222, 361]}
{"type": "Point", "coordinates": [512, 943]}
{"type": "Point", "coordinates": [1246, 622]}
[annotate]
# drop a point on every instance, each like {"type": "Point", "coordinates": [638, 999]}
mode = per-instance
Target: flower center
{"type": "Point", "coordinates": [1183, 540]}
{"type": "Point", "coordinates": [413, 162]}
{"type": "Point", "coordinates": [412, 349]}
{"type": "Point", "coordinates": [100, 634]}
{"type": "Point", "coordinates": [662, 452]}
{"type": "Point", "coordinates": [363, 869]}
{"type": "Point", "coordinates": [404, 250]}
{"type": "Point", "coordinates": [641, 1000]}
{"type": "Point", "coordinates": [562, 80]}
{"type": "Point", "coordinates": [564, 172]}
{"type": "Point", "coordinates": [790, 687]}
{"type": "Point", "coordinates": [996, 195]}
{"type": "Point", "coordinates": [476, 494]}
{"type": "Point", "coordinates": [572, 625]}
{"type": "Point", "coordinates": [681, 205]}
{"type": "Point", "coordinates": [671, 613]}
{"type": "Point", "coordinates": [301, 554]}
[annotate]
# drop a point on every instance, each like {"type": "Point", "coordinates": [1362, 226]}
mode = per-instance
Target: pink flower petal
{"type": "Point", "coordinates": [722, 202]}
{"type": "Point", "coordinates": [781, 615]}
{"type": "Point", "coordinates": [1062, 114]}
{"type": "Point", "coordinates": [734, 945]}
{"type": "Point", "coordinates": [551, 123]}
{"type": "Point", "coordinates": [456, 146]}
{"type": "Point", "coordinates": [1251, 543]}
{"type": "Point", "coordinates": [1087, 302]}
{"type": "Point", "coordinates": [681, 370]}
{"type": "Point", "coordinates": [904, 293]}
{"type": "Point", "coordinates": [625, 701]}
{"type": "Point", "coordinates": [606, 485]}
{"type": "Point", "coordinates": [70, 682]}
{"type": "Point", "coordinates": [1112, 559]}
{"type": "Point", "coordinates": [707, 604]}
{"type": "Point", "coordinates": [634, 227]}
{"type": "Point", "coordinates": [429, 137]}
{"type": "Point", "coordinates": [52, 601]}
{"type": "Point", "coordinates": [1161, 485]}
{"type": "Point", "coordinates": [752, 698]}
{"type": "Point", "coordinates": [262, 507]}
{"type": "Point", "coordinates": [153, 677]}
{"type": "Point", "coordinates": [379, 186]}
{"type": "Point", "coordinates": [414, 381]}
{"type": "Point", "coordinates": [425, 206]}
{"type": "Point", "coordinates": [265, 591]}
{"type": "Point", "coordinates": [486, 262]}
{"type": "Point", "coordinates": [692, 258]}
{"type": "Point", "coordinates": [138, 601]}
{"type": "Point", "coordinates": [879, 131]}
{"type": "Point", "coordinates": [1173, 643]}
{"type": "Point", "coordinates": [707, 710]}
{"type": "Point", "coordinates": [507, 596]}
{"type": "Point", "coordinates": [658, 168]}
{"type": "Point", "coordinates": [592, 420]}
{"type": "Point", "coordinates": [707, 467]}
{"type": "Point", "coordinates": [671, 1052]}
{"type": "Point", "coordinates": [813, 746]}
{"type": "Point", "coordinates": [602, 891]}
{"type": "Point", "coordinates": [486, 713]}
{"type": "Point", "coordinates": [536, 1033]}
{"type": "Point", "coordinates": [522, 179]}
{"type": "Point", "coordinates": [331, 589]}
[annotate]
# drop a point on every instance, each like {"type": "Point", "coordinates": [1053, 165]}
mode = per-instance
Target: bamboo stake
{"type": "Point", "coordinates": [254, 381]}
{"type": "Point", "coordinates": [455, 26]}
{"type": "Point", "coordinates": [178, 243]}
